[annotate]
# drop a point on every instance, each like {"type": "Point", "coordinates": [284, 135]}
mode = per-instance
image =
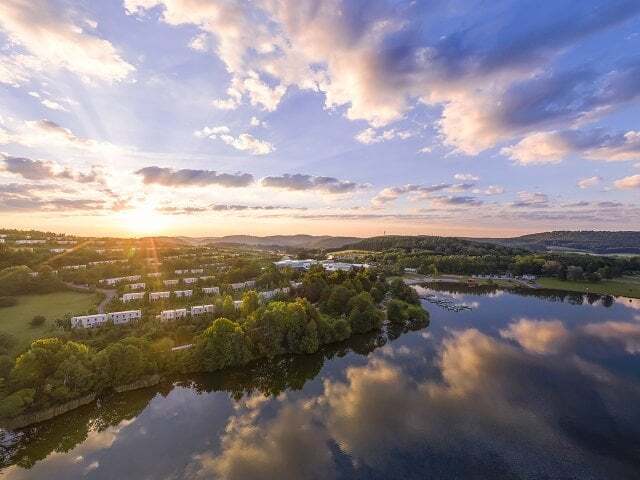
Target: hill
{"type": "Point", "coordinates": [437, 245]}
{"type": "Point", "coordinates": [295, 241]}
{"type": "Point", "coordinates": [600, 242]}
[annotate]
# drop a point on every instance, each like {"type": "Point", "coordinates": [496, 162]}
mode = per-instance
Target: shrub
{"type": "Point", "coordinates": [8, 302]}
{"type": "Point", "coordinates": [37, 321]}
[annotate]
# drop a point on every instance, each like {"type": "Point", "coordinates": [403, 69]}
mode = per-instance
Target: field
{"type": "Point", "coordinates": [624, 286]}
{"type": "Point", "coordinates": [15, 320]}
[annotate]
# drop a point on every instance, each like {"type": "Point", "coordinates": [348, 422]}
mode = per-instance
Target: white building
{"type": "Point", "coordinates": [173, 314]}
{"type": "Point", "coordinates": [74, 267]}
{"type": "Point", "coordinates": [183, 293]}
{"type": "Point", "coordinates": [136, 286]}
{"type": "Point", "coordinates": [133, 296]}
{"type": "Point", "coordinates": [211, 290]}
{"type": "Point", "coordinates": [116, 280]}
{"type": "Point", "coordinates": [197, 270]}
{"type": "Point", "coordinates": [243, 285]}
{"type": "Point", "coordinates": [154, 274]}
{"type": "Point", "coordinates": [57, 250]}
{"type": "Point", "coordinates": [331, 266]}
{"type": "Point", "coordinates": [118, 318]}
{"type": "Point", "coordinates": [124, 317]}
{"type": "Point", "coordinates": [295, 264]}
{"type": "Point", "coordinates": [170, 282]}
{"type": "Point", "coordinates": [190, 280]}
{"type": "Point", "coordinates": [206, 277]}
{"type": "Point", "coordinates": [237, 304]}
{"type": "Point", "coordinates": [153, 296]}
{"type": "Point", "coordinates": [295, 284]}
{"type": "Point", "coordinates": [28, 241]}
{"type": "Point", "coordinates": [88, 321]}
{"type": "Point", "coordinates": [269, 294]}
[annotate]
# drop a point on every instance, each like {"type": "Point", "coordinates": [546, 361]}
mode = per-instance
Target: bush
{"type": "Point", "coordinates": [37, 321]}
{"type": "Point", "coordinates": [17, 402]}
{"type": "Point", "coordinates": [8, 302]}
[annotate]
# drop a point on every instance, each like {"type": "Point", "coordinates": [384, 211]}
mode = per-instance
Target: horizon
{"type": "Point", "coordinates": [155, 117]}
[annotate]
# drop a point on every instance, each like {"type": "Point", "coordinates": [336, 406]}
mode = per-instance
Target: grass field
{"type": "Point", "coordinates": [15, 320]}
{"type": "Point", "coordinates": [623, 286]}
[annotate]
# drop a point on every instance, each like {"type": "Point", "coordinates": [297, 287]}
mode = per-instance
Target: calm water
{"type": "Point", "coordinates": [518, 387]}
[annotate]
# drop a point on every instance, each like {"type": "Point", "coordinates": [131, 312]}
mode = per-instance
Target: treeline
{"type": "Point", "coordinates": [593, 241]}
{"type": "Point", "coordinates": [327, 308]}
{"type": "Point", "coordinates": [19, 281]}
{"type": "Point", "coordinates": [432, 244]}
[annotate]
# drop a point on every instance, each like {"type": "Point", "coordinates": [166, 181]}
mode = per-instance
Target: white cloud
{"type": "Point", "coordinates": [53, 40]}
{"type": "Point", "coordinates": [628, 183]}
{"type": "Point", "coordinates": [370, 136]}
{"type": "Point", "coordinates": [50, 104]}
{"type": "Point", "coordinates": [589, 182]}
{"type": "Point", "coordinates": [466, 177]}
{"type": "Point", "coordinates": [243, 142]}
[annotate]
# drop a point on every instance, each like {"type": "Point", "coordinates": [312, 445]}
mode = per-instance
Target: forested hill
{"type": "Point", "coordinates": [438, 245]}
{"type": "Point", "coordinates": [295, 241]}
{"type": "Point", "coordinates": [602, 242]}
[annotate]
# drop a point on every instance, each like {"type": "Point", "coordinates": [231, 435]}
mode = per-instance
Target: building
{"type": "Point", "coordinates": [207, 277]}
{"type": "Point", "coordinates": [269, 294]}
{"type": "Point", "coordinates": [411, 270]}
{"type": "Point", "coordinates": [173, 314]}
{"type": "Point", "coordinates": [57, 250]}
{"type": "Point", "coordinates": [116, 280]}
{"type": "Point", "coordinates": [183, 293]}
{"type": "Point", "coordinates": [170, 282]}
{"type": "Point", "coordinates": [130, 297]}
{"type": "Point", "coordinates": [124, 317]}
{"type": "Point", "coordinates": [295, 264]}
{"type": "Point", "coordinates": [136, 286]}
{"type": "Point", "coordinates": [190, 280]}
{"type": "Point", "coordinates": [211, 290]}
{"type": "Point", "coordinates": [28, 241]}
{"type": "Point", "coordinates": [295, 284]}
{"type": "Point", "coordinates": [331, 266]}
{"type": "Point", "coordinates": [98, 319]}
{"type": "Point", "coordinates": [243, 285]}
{"type": "Point", "coordinates": [154, 274]}
{"type": "Point", "coordinates": [89, 321]}
{"type": "Point", "coordinates": [74, 267]}
{"type": "Point", "coordinates": [197, 270]}
{"type": "Point", "coordinates": [153, 296]}
{"type": "Point", "coordinates": [237, 304]}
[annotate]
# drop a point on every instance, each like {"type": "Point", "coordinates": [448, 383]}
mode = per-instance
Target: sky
{"type": "Point", "coordinates": [338, 117]}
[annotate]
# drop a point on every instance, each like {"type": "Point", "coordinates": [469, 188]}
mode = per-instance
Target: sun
{"type": "Point", "coordinates": [144, 219]}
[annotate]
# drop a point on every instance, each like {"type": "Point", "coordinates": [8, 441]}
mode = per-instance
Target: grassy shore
{"type": "Point", "coordinates": [15, 320]}
{"type": "Point", "coordinates": [623, 286]}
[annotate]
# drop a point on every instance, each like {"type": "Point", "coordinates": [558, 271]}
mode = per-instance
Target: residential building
{"type": "Point", "coordinates": [295, 264]}
{"type": "Point", "coordinates": [170, 282]}
{"type": "Point", "coordinates": [183, 293]}
{"type": "Point", "coordinates": [237, 304]}
{"type": "Point", "coordinates": [154, 274]}
{"type": "Point", "coordinates": [173, 314]}
{"type": "Point", "coordinates": [133, 296]}
{"type": "Point", "coordinates": [116, 280]}
{"type": "Point", "coordinates": [74, 267]}
{"type": "Point", "coordinates": [118, 318]}
{"type": "Point", "coordinates": [124, 317]}
{"type": "Point", "coordinates": [153, 296]}
{"type": "Point", "coordinates": [211, 290]}
{"type": "Point", "coordinates": [243, 285]}
{"type": "Point", "coordinates": [57, 250]}
{"type": "Point", "coordinates": [190, 280]}
{"type": "Point", "coordinates": [136, 286]}
{"type": "Point", "coordinates": [28, 241]}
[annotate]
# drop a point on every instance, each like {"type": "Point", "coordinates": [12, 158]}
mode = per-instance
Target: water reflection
{"type": "Point", "coordinates": [522, 387]}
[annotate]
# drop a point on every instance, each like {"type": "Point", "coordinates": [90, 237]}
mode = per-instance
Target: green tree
{"type": "Point", "coordinates": [223, 344]}
{"type": "Point", "coordinates": [250, 303]}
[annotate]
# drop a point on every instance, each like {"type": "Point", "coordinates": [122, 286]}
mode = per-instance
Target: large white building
{"type": "Point", "coordinates": [211, 290]}
{"type": "Point", "coordinates": [295, 264]}
{"type": "Point", "coordinates": [133, 296]}
{"type": "Point", "coordinates": [136, 286]}
{"type": "Point", "coordinates": [153, 296]}
{"type": "Point", "coordinates": [74, 267]}
{"type": "Point", "coordinates": [173, 314]}
{"type": "Point", "coordinates": [269, 294]}
{"type": "Point", "coordinates": [28, 241]}
{"type": "Point", "coordinates": [154, 274]}
{"type": "Point", "coordinates": [170, 282]}
{"type": "Point", "coordinates": [190, 280]}
{"type": "Point", "coordinates": [118, 318]}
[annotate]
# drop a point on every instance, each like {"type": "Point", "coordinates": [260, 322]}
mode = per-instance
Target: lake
{"type": "Point", "coordinates": [525, 385]}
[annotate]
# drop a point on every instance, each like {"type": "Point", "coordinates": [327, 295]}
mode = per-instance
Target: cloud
{"type": "Point", "coordinates": [454, 201]}
{"type": "Point", "coordinates": [553, 147]}
{"type": "Point", "coordinates": [624, 333]}
{"type": "Point", "coordinates": [537, 336]}
{"type": "Point", "coordinates": [370, 136]}
{"type": "Point", "coordinates": [628, 183]}
{"type": "Point", "coordinates": [390, 194]}
{"type": "Point", "coordinates": [48, 133]}
{"type": "Point", "coordinates": [243, 142]}
{"type": "Point", "coordinates": [589, 182]}
{"type": "Point", "coordinates": [220, 207]}
{"type": "Point", "coordinates": [493, 190]}
{"type": "Point", "coordinates": [377, 62]}
{"type": "Point", "coordinates": [466, 177]}
{"type": "Point", "coordinates": [302, 182]}
{"type": "Point", "coordinates": [169, 177]}
{"type": "Point", "coordinates": [47, 170]}
{"type": "Point", "coordinates": [49, 35]}
{"type": "Point", "coordinates": [531, 199]}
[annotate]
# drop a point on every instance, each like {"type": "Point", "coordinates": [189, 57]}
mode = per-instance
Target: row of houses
{"type": "Point", "coordinates": [116, 280]}
{"type": "Point", "coordinates": [118, 318]}
{"type": "Point", "coordinates": [328, 265]}
{"type": "Point", "coordinates": [193, 270]}
{"type": "Point", "coordinates": [153, 296]}
{"type": "Point", "coordinates": [243, 285]}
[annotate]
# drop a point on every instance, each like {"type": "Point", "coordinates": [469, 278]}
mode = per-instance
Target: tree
{"type": "Point", "coordinates": [396, 312]}
{"type": "Point", "coordinates": [364, 316]}
{"type": "Point", "coordinates": [223, 344]}
{"type": "Point", "coordinates": [250, 303]}
{"type": "Point", "coordinates": [338, 302]}
{"type": "Point", "coordinates": [575, 274]}
{"type": "Point", "coordinates": [314, 286]}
